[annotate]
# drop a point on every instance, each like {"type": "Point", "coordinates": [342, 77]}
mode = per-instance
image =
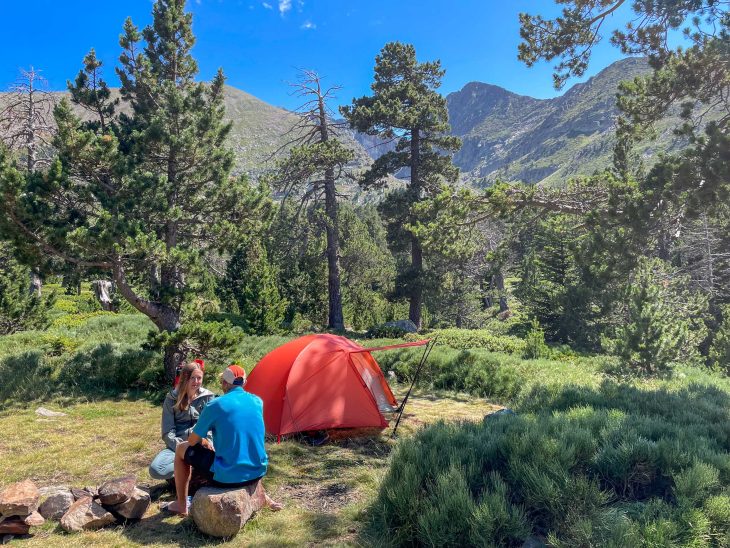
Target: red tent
{"type": "Point", "coordinates": [319, 382]}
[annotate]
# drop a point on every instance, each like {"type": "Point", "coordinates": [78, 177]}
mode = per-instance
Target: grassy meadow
{"type": "Point", "coordinates": [591, 458]}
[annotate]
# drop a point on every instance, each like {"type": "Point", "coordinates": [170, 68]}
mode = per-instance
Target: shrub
{"type": "Point", "coordinates": [478, 372]}
{"type": "Point", "coordinates": [612, 466]}
{"type": "Point", "coordinates": [387, 332]}
{"type": "Point", "coordinates": [535, 346]}
{"type": "Point", "coordinates": [464, 339]}
{"type": "Point", "coordinates": [720, 350]}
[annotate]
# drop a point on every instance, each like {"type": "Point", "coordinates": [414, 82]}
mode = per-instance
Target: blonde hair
{"type": "Point", "coordinates": [183, 399]}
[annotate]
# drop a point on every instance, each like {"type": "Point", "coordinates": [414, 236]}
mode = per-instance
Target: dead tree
{"type": "Point", "coordinates": [26, 121]}
{"type": "Point", "coordinates": [309, 173]}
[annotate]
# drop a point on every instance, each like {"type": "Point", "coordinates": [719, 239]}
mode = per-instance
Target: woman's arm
{"type": "Point", "coordinates": [168, 425]}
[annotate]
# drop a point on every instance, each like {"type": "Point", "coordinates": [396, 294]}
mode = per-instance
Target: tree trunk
{"type": "Point", "coordinates": [416, 297]}
{"type": "Point", "coordinates": [173, 359]}
{"type": "Point", "coordinates": [336, 320]}
{"type": "Point", "coordinates": [36, 284]}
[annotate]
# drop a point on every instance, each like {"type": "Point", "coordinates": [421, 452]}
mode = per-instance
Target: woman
{"type": "Point", "coordinates": [180, 412]}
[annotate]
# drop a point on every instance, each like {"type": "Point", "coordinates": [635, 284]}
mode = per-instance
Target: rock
{"type": "Point", "coordinates": [117, 491]}
{"type": "Point", "coordinates": [406, 325]}
{"type": "Point", "coordinates": [19, 499]}
{"type": "Point", "coordinates": [34, 519]}
{"type": "Point", "coordinates": [52, 490]}
{"type": "Point", "coordinates": [221, 512]}
{"type": "Point", "coordinates": [43, 412]}
{"type": "Point", "coordinates": [6, 539]}
{"type": "Point", "coordinates": [85, 514]}
{"type": "Point", "coordinates": [135, 507]}
{"type": "Point", "coordinates": [14, 526]}
{"type": "Point", "coordinates": [56, 504]}
{"type": "Point", "coordinates": [79, 493]}
{"type": "Point", "coordinates": [93, 491]}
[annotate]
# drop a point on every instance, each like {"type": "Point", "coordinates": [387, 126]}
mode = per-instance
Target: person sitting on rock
{"type": "Point", "coordinates": [237, 457]}
{"type": "Point", "coordinates": [180, 412]}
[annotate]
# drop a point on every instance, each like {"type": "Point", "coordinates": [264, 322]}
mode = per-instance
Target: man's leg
{"type": "Point", "coordinates": [271, 503]}
{"type": "Point", "coordinates": [182, 479]}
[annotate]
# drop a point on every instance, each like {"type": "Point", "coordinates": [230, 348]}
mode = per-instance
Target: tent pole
{"type": "Point", "coordinates": [426, 352]}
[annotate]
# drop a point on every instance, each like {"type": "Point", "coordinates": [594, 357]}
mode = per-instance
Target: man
{"type": "Point", "coordinates": [237, 456]}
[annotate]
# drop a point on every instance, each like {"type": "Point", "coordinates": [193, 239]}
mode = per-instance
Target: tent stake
{"type": "Point", "coordinates": [426, 352]}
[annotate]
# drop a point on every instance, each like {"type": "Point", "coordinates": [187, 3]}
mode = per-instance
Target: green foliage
{"type": "Point", "coordinates": [249, 289]}
{"type": "Point", "coordinates": [656, 330]}
{"type": "Point", "coordinates": [609, 466]}
{"type": "Point", "coordinates": [477, 372]}
{"type": "Point", "coordinates": [720, 351]}
{"type": "Point", "coordinates": [142, 192]}
{"type": "Point", "coordinates": [405, 105]}
{"type": "Point", "coordinates": [385, 332]}
{"type": "Point", "coordinates": [465, 339]}
{"type": "Point", "coordinates": [19, 308]}
{"type": "Point", "coordinates": [535, 346]}
{"type": "Point", "coordinates": [204, 339]}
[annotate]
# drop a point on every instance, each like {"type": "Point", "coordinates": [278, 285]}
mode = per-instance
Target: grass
{"type": "Point", "coordinates": [326, 489]}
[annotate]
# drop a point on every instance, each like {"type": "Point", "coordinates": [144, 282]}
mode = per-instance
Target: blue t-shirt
{"type": "Point", "coordinates": [237, 422]}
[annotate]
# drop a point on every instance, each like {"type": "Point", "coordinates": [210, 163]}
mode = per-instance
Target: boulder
{"type": "Point", "coordinates": [34, 519]}
{"type": "Point", "coordinates": [221, 512]}
{"type": "Point", "coordinates": [13, 526]}
{"type": "Point", "coordinates": [43, 412]}
{"type": "Point", "coordinates": [80, 493]}
{"type": "Point", "coordinates": [56, 504]}
{"type": "Point", "coordinates": [135, 507]}
{"type": "Point", "coordinates": [93, 491]}
{"type": "Point", "coordinates": [19, 499]}
{"type": "Point", "coordinates": [85, 514]}
{"type": "Point", "coordinates": [117, 491]}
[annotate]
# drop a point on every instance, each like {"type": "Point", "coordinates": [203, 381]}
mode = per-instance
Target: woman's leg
{"type": "Point", "coordinates": [182, 478]}
{"type": "Point", "coordinates": [162, 466]}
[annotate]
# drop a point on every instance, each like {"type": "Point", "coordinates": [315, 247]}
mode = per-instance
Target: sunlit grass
{"type": "Point", "coordinates": [326, 489]}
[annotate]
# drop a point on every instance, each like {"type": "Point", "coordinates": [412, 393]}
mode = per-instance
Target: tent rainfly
{"type": "Point", "coordinates": [318, 382]}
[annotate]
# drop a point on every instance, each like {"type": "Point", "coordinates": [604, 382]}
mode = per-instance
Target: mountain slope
{"type": "Point", "coordinates": [514, 137]}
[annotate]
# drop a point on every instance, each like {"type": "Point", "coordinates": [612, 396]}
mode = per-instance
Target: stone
{"type": "Point", "coordinates": [14, 526]}
{"type": "Point", "coordinates": [19, 499]}
{"type": "Point", "coordinates": [405, 325]}
{"type": "Point", "coordinates": [6, 539]}
{"type": "Point", "coordinates": [56, 504]}
{"type": "Point", "coordinates": [34, 519]}
{"type": "Point", "coordinates": [135, 507]}
{"type": "Point", "coordinates": [43, 412]}
{"type": "Point", "coordinates": [79, 493]}
{"type": "Point", "coordinates": [117, 491]}
{"type": "Point", "coordinates": [93, 491]}
{"type": "Point", "coordinates": [222, 512]}
{"type": "Point", "coordinates": [86, 515]}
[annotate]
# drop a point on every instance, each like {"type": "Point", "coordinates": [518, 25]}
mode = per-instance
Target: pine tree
{"type": "Point", "coordinates": [20, 309]}
{"type": "Point", "coordinates": [144, 194]}
{"type": "Point", "coordinates": [655, 331]}
{"type": "Point", "coordinates": [250, 285]}
{"type": "Point", "coordinates": [720, 349]}
{"type": "Point", "coordinates": [311, 170]}
{"type": "Point", "coordinates": [406, 107]}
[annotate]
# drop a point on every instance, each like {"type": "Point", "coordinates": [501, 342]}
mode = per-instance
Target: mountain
{"type": "Point", "coordinates": [519, 138]}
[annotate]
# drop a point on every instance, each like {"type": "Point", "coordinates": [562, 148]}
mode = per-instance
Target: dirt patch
{"type": "Point", "coordinates": [324, 499]}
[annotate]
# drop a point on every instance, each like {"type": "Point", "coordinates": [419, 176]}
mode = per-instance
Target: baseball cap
{"type": "Point", "coordinates": [234, 374]}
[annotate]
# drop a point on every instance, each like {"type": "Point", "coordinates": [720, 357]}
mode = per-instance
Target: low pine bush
{"type": "Point", "coordinates": [579, 466]}
{"type": "Point", "coordinates": [464, 339]}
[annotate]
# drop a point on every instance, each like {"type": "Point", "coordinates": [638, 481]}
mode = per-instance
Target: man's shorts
{"type": "Point", "coordinates": [201, 458]}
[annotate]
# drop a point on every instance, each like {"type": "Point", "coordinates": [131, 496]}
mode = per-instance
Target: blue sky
{"type": "Point", "coordinates": [261, 43]}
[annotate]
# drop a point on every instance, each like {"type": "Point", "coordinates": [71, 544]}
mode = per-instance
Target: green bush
{"type": "Point", "coordinates": [535, 346]}
{"type": "Point", "coordinates": [720, 350]}
{"type": "Point", "coordinates": [464, 339]}
{"type": "Point", "coordinates": [387, 332]}
{"type": "Point", "coordinates": [478, 372]}
{"type": "Point", "coordinates": [608, 466]}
